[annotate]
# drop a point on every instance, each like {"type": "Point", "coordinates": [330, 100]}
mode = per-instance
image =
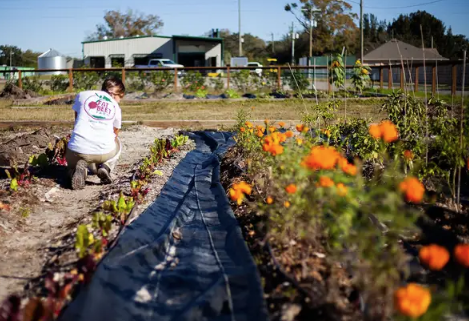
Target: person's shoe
{"type": "Point", "coordinates": [79, 176]}
{"type": "Point", "coordinates": [104, 173]}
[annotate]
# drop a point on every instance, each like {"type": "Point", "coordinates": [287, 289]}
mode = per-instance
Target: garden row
{"type": "Point", "coordinates": [342, 211]}
{"type": "Point", "coordinates": [196, 84]}
{"type": "Point", "coordinates": [92, 240]}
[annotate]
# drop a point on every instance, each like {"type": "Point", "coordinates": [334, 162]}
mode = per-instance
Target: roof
{"type": "Point", "coordinates": [158, 36]}
{"type": "Point", "coordinates": [395, 49]}
{"type": "Point", "coordinates": [50, 53]}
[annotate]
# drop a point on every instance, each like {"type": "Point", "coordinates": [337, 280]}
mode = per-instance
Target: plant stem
{"type": "Point", "coordinates": [461, 128]}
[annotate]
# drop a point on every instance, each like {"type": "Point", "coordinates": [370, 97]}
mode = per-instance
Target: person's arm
{"type": "Point", "coordinates": [116, 131]}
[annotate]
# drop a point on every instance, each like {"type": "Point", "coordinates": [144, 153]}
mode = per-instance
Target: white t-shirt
{"type": "Point", "coordinates": [97, 115]}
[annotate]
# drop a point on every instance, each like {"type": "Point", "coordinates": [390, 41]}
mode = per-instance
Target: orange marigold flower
{"type": "Point", "coordinates": [281, 124]}
{"type": "Point", "coordinates": [300, 127]}
{"type": "Point", "coordinates": [276, 150]}
{"type": "Point", "coordinates": [408, 155]}
{"type": "Point", "coordinates": [389, 131]}
{"type": "Point", "coordinates": [282, 137]}
{"type": "Point", "coordinates": [291, 189]}
{"type": "Point", "coordinates": [266, 121]}
{"type": "Point", "coordinates": [375, 131]}
{"type": "Point", "coordinates": [289, 134]}
{"type": "Point", "coordinates": [413, 189]}
{"type": "Point", "coordinates": [461, 253]}
{"type": "Point", "coordinates": [270, 200]}
{"type": "Point", "coordinates": [287, 204]}
{"type": "Point", "coordinates": [238, 190]}
{"type": "Point", "coordinates": [299, 141]}
{"type": "Point", "coordinates": [341, 189]}
{"type": "Point", "coordinates": [346, 167]}
{"type": "Point", "coordinates": [259, 127]}
{"type": "Point", "coordinates": [325, 181]}
{"type": "Point", "coordinates": [248, 124]}
{"type": "Point", "coordinates": [321, 157]}
{"type": "Point", "coordinates": [434, 256]}
{"type": "Point", "coordinates": [260, 133]}
{"type": "Point", "coordinates": [306, 129]}
{"type": "Point", "coordinates": [272, 129]}
{"type": "Point", "coordinates": [251, 130]}
{"type": "Point", "coordinates": [412, 300]}
{"type": "Point", "coordinates": [242, 129]}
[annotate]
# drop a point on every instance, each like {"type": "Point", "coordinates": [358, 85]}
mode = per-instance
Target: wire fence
{"type": "Point", "coordinates": [442, 77]}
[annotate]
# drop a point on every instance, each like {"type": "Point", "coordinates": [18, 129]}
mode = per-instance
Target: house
{"type": "Point", "coordinates": [128, 52]}
{"type": "Point", "coordinates": [394, 50]}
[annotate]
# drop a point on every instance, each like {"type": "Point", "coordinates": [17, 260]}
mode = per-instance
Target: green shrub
{"type": "Point", "coordinates": [233, 94]}
{"type": "Point", "coordinates": [298, 81]}
{"type": "Point", "coordinates": [136, 81]}
{"type": "Point", "coordinates": [201, 93]}
{"type": "Point", "coordinates": [32, 83]}
{"type": "Point", "coordinates": [85, 80]}
{"type": "Point", "coordinates": [59, 83]}
{"type": "Point", "coordinates": [161, 80]}
{"type": "Point", "coordinates": [217, 83]}
{"type": "Point", "coordinates": [192, 81]}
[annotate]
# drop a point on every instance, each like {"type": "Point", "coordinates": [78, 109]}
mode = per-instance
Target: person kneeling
{"type": "Point", "coordinates": [94, 142]}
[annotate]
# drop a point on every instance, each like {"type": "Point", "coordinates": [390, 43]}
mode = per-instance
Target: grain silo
{"type": "Point", "coordinates": [52, 59]}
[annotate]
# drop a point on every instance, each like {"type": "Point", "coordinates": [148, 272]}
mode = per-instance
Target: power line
{"type": "Point", "coordinates": [400, 7]}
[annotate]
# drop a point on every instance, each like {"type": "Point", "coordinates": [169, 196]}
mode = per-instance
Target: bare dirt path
{"type": "Point", "coordinates": [41, 214]}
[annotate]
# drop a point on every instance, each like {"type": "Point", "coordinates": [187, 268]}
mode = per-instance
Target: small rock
{"type": "Point", "coordinates": [290, 311]}
{"type": "Point", "coordinates": [319, 255]}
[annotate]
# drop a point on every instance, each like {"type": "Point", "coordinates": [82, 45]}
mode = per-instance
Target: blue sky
{"type": "Point", "coordinates": [63, 24]}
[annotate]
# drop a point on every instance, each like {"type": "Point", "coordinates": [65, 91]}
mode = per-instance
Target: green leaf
{"type": "Point", "coordinates": [121, 205]}
{"type": "Point", "coordinates": [14, 185]}
{"type": "Point", "coordinates": [157, 172]}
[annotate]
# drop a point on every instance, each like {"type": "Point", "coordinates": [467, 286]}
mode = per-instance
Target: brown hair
{"type": "Point", "coordinates": [115, 85]}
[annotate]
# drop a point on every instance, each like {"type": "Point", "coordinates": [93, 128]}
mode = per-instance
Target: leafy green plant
{"type": "Point", "coordinates": [161, 80]}
{"type": "Point", "coordinates": [193, 81]}
{"type": "Point", "coordinates": [337, 72]}
{"type": "Point", "coordinates": [217, 83]}
{"type": "Point", "coordinates": [42, 160]}
{"type": "Point", "coordinates": [241, 80]}
{"type": "Point", "coordinates": [103, 223]}
{"type": "Point", "coordinates": [136, 81]}
{"type": "Point", "coordinates": [232, 94]}
{"type": "Point", "coordinates": [360, 76]}
{"type": "Point", "coordinates": [201, 92]}
{"type": "Point", "coordinates": [19, 177]}
{"type": "Point", "coordinates": [33, 83]}
{"type": "Point", "coordinates": [298, 81]}
{"type": "Point", "coordinates": [83, 241]}
{"type": "Point", "coordinates": [179, 140]}
{"type": "Point", "coordinates": [120, 208]}
{"type": "Point", "coordinates": [85, 80]}
{"type": "Point", "coordinates": [59, 83]}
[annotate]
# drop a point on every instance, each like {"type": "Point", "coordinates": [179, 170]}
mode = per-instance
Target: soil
{"type": "Point", "coordinates": [14, 92]}
{"type": "Point", "coordinates": [37, 232]}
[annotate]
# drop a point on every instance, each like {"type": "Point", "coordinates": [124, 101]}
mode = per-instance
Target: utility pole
{"type": "Point", "coordinates": [239, 29]}
{"type": "Point", "coordinates": [293, 43]}
{"type": "Point", "coordinates": [310, 10]}
{"type": "Point", "coordinates": [273, 43]}
{"type": "Point", "coordinates": [361, 32]}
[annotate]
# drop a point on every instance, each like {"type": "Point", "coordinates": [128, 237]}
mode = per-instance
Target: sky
{"type": "Point", "coordinates": [64, 24]}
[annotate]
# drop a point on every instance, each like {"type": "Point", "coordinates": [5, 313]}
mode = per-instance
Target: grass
{"type": "Point", "coordinates": [191, 111]}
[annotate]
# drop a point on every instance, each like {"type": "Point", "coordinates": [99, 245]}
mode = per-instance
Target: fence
{"type": "Point", "coordinates": [444, 76]}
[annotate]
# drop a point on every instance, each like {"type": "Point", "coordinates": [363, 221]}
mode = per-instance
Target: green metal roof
{"type": "Point", "coordinates": [157, 36]}
{"type": "Point", "coordinates": [126, 38]}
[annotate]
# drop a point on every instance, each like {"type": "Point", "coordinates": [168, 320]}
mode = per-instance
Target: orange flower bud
{"type": "Point", "coordinates": [291, 189]}
{"type": "Point", "coordinates": [287, 204]}
{"type": "Point", "coordinates": [270, 200]}
{"type": "Point", "coordinates": [300, 127]}
{"type": "Point", "coordinates": [434, 256]}
{"type": "Point", "coordinates": [289, 134]}
{"type": "Point", "coordinates": [413, 300]}
{"type": "Point", "coordinates": [413, 189]}
{"type": "Point", "coordinates": [341, 189]}
{"type": "Point", "coordinates": [281, 124]}
{"type": "Point", "coordinates": [408, 155]}
{"type": "Point", "coordinates": [461, 253]}
{"type": "Point", "coordinates": [242, 129]}
{"type": "Point", "coordinates": [325, 181]}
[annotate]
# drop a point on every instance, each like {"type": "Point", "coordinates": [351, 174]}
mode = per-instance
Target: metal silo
{"type": "Point", "coordinates": [52, 59]}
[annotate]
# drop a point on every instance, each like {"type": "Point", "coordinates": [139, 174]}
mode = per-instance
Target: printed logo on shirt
{"type": "Point", "coordinates": [100, 108]}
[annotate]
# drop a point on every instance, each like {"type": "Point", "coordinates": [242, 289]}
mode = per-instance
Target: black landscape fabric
{"type": "Point", "coordinates": [184, 258]}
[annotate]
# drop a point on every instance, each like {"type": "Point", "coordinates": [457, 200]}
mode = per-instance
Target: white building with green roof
{"type": "Point", "coordinates": [128, 52]}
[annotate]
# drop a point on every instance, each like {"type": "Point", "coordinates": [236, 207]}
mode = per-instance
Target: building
{"type": "Point", "coordinates": [394, 50]}
{"type": "Point", "coordinates": [128, 52]}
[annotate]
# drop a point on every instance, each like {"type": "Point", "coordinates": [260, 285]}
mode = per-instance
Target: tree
{"type": "Point", "coordinates": [129, 24]}
{"type": "Point", "coordinates": [16, 55]}
{"type": "Point", "coordinates": [335, 24]}
{"type": "Point", "coordinates": [407, 29]}
{"type": "Point", "coordinates": [254, 47]}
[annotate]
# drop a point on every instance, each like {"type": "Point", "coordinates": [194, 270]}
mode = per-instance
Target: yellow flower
{"type": "Point", "coordinates": [358, 62]}
{"type": "Point", "coordinates": [287, 204]}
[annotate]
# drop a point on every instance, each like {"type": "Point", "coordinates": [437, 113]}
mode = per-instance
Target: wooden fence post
{"type": "Point", "coordinates": [70, 80]}
{"type": "Point", "coordinates": [454, 80]}
{"type": "Point", "coordinates": [20, 81]}
{"type": "Point", "coordinates": [402, 78]}
{"type": "Point", "coordinates": [228, 77]}
{"type": "Point", "coordinates": [416, 82]}
{"type": "Point", "coordinates": [123, 76]}
{"type": "Point", "coordinates": [175, 79]}
{"type": "Point", "coordinates": [279, 78]}
{"type": "Point", "coordinates": [390, 78]}
{"type": "Point", "coordinates": [381, 78]}
{"type": "Point", "coordinates": [434, 80]}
